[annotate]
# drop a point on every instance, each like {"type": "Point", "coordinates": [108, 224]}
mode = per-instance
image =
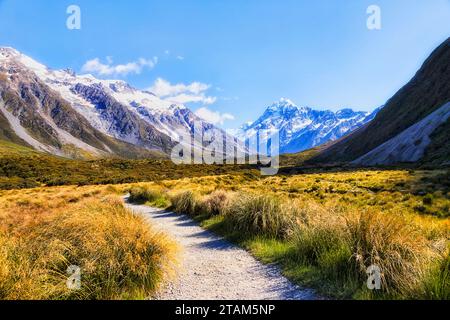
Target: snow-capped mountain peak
{"type": "Point", "coordinates": [302, 127]}
{"type": "Point", "coordinates": [285, 108]}
{"type": "Point", "coordinates": [112, 107]}
{"type": "Point", "coordinates": [282, 104]}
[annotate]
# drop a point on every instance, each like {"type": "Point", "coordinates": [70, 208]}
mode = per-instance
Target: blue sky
{"type": "Point", "coordinates": [236, 57]}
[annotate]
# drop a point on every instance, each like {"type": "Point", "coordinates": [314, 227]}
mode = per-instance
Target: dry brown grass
{"type": "Point", "coordinates": [396, 246]}
{"type": "Point", "coordinates": [44, 231]}
{"type": "Point", "coordinates": [259, 215]}
{"type": "Point", "coordinates": [215, 203]}
{"type": "Point", "coordinates": [336, 224]}
{"type": "Point", "coordinates": [341, 241]}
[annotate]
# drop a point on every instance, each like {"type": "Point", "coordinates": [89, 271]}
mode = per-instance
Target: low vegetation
{"type": "Point", "coordinates": [21, 167]}
{"type": "Point", "coordinates": [323, 226]}
{"type": "Point", "coordinates": [324, 241]}
{"type": "Point", "coordinates": [44, 231]}
{"type": "Point", "coordinates": [259, 215]}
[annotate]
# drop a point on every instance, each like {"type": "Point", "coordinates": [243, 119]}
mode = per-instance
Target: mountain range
{"type": "Point", "coordinates": [301, 128]}
{"type": "Point", "coordinates": [414, 125]}
{"type": "Point", "coordinates": [79, 116]}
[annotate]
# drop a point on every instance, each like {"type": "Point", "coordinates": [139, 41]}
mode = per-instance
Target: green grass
{"type": "Point", "coordinates": [12, 149]}
{"type": "Point", "coordinates": [281, 252]}
{"type": "Point", "coordinates": [325, 263]}
{"type": "Point", "coordinates": [259, 214]}
{"type": "Point", "coordinates": [21, 167]}
{"type": "Point", "coordinates": [142, 195]}
{"type": "Point", "coordinates": [329, 248]}
{"type": "Point", "coordinates": [185, 202]}
{"type": "Point", "coordinates": [298, 159]}
{"type": "Point", "coordinates": [310, 222]}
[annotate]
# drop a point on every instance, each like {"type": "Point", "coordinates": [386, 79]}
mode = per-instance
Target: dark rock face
{"type": "Point", "coordinates": [124, 124]}
{"type": "Point", "coordinates": [427, 91]}
{"type": "Point", "coordinates": [42, 112]}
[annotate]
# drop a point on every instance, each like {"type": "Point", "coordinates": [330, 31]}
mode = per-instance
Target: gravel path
{"type": "Point", "coordinates": [214, 269]}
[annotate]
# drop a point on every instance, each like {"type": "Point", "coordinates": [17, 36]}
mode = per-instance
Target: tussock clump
{"type": "Point", "coordinates": [318, 239]}
{"type": "Point", "coordinates": [185, 203]}
{"type": "Point", "coordinates": [343, 244]}
{"type": "Point", "coordinates": [437, 285]}
{"type": "Point", "coordinates": [120, 255]}
{"type": "Point", "coordinates": [391, 243]}
{"type": "Point", "coordinates": [215, 203]}
{"type": "Point", "coordinates": [143, 195]}
{"type": "Point", "coordinates": [316, 233]}
{"type": "Point", "coordinates": [259, 215]}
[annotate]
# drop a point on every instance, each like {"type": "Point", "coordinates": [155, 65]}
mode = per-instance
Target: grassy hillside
{"type": "Point", "coordinates": [438, 151]}
{"type": "Point", "coordinates": [6, 133]}
{"type": "Point", "coordinates": [426, 92]}
{"type": "Point", "coordinates": [299, 159]}
{"type": "Point", "coordinates": [21, 167]}
{"type": "Point", "coordinates": [11, 149]}
{"type": "Point", "coordinates": [34, 102]}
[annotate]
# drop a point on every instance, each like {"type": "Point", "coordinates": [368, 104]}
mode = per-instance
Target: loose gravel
{"type": "Point", "coordinates": [214, 269]}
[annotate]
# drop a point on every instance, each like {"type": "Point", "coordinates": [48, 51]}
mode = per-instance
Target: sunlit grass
{"type": "Point", "coordinates": [322, 228]}
{"type": "Point", "coordinates": [325, 229]}
{"type": "Point", "coordinates": [43, 231]}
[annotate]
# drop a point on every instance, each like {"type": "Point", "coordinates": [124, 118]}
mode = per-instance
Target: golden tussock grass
{"type": "Point", "coordinates": [324, 229]}
{"type": "Point", "coordinates": [43, 232]}
{"type": "Point", "coordinates": [339, 239]}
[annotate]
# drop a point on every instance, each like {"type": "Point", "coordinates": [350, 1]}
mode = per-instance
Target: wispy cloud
{"type": "Point", "coordinates": [109, 68]}
{"type": "Point", "coordinates": [182, 93]}
{"type": "Point", "coordinates": [213, 117]}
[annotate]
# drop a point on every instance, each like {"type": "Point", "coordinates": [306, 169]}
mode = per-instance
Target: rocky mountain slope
{"type": "Point", "coordinates": [301, 128]}
{"type": "Point", "coordinates": [405, 123]}
{"type": "Point", "coordinates": [410, 144]}
{"type": "Point", "coordinates": [73, 115]}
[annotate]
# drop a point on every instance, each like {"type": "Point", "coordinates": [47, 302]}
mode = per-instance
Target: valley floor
{"type": "Point", "coordinates": [296, 230]}
{"type": "Point", "coordinates": [213, 268]}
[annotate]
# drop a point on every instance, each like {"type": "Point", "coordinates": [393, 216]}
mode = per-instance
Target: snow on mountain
{"type": "Point", "coordinates": [63, 81]}
{"type": "Point", "coordinates": [301, 127]}
{"type": "Point", "coordinates": [107, 104]}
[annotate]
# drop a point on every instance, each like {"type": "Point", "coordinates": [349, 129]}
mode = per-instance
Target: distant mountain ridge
{"type": "Point", "coordinates": [402, 128]}
{"type": "Point", "coordinates": [62, 113]}
{"type": "Point", "coordinates": [301, 127]}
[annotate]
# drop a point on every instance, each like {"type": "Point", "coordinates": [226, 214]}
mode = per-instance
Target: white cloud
{"type": "Point", "coordinates": [213, 117]}
{"type": "Point", "coordinates": [164, 88]}
{"type": "Point", "coordinates": [182, 93]}
{"type": "Point", "coordinates": [180, 58]}
{"type": "Point", "coordinates": [184, 98]}
{"type": "Point", "coordinates": [106, 69]}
